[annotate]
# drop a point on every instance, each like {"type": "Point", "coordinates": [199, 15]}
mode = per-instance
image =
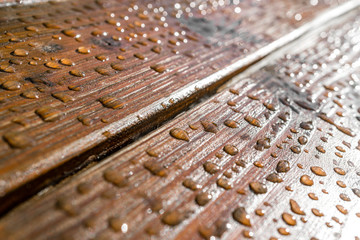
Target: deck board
{"type": "Point", "coordinates": [214, 170]}
{"type": "Point", "coordinates": [80, 80]}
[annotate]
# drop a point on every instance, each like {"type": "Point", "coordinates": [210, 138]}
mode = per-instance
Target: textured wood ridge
{"type": "Point", "coordinates": [75, 75]}
{"type": "Point", "coordinates": [275, 156]}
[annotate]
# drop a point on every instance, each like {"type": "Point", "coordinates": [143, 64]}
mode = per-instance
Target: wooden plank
{"type": "Point", "coordinates": [80, 80]}
{"type": "Point", "coordinates": [275, 156]}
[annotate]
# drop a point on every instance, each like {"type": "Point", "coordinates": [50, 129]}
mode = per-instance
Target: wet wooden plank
{"type": "Point", "coordinates": [274, 156]}
{"type": "Point", "coordinates": [80, 79]}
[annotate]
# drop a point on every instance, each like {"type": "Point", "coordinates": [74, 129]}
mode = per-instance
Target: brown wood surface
{"type": "Point", "coordinates": [274, 156]}
{"type": "Point", "coordinates": [80, 79]}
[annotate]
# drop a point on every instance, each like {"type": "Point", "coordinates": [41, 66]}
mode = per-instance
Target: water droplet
{"type": "Point", "coordinates": [84, 188]}
{"type": "Point", "coordinates": [158, 68]}
{"type": "Point", "coordinates": [274, 177]}
{"type": "Point", "coordinates": [83, 50]}
{"type": "Point", "coordinates": [71, 33]}
{"type": "Point", "coordinates": [295, 207]}
{"type": "Point", "coordinates": [339, 171]}
{"type": "Point", "coordinates": [115, 177]}
{"type": "Point", "coordinates": [103, 71]}
{"type": "Point", "coordinates": [242, 216]}
{"type": "Point", "coordinates": [117, 224]}
{"type": "Point", "coordinates": [320, 149]}
{"type": "Point", "coordinates": [211, 167]}
{"type": "Point", "coordinates": [18, 140]}
{"type": "Point", "coordinates": [67, 206]}
{"type": "Point", "coordinates": [288, 219]}
{"type": "Point", "coordinates": [258, 188]}
{"type": "Point", "coordinates": [318, 171]}
{"type": "Point", "coordinates": [231, 149]}
{"type": "Point", "coordinates": [295, 149]}
{"type": "Point", "coordinates": [20, 52]}
{"type": "Point", "coordinates": [140, 56]}
{"type": "Point", "coordinates": [11, 85]}
{"type": "Point", "coordinates": [191, 184]}
{"type": "Point", "coordinates": [179, 134]}
{"type": "Point", "coordinates": [307, 125]}
{"type": "Point", "coordinates": [209, 126]}
{"type": "Point", "coordinates": [317, 212]}
{"type": "Point", "coordinates": [63, 96]}
{"type": "Point", "coordinates": [48, 113]}
{"type": "Point", "coordinates": [313, 196]}
{"type": "Point", "coordinates": [203, 198]}
{"type": "Point", "coordinates": [283, 166]}
{"type": "Point", "coordinates": [231, 123]}
{"type": "Point", "coordinates": [302, 140]}
{"type": "Point", "coordinates": [224, 183]}
{"type": "Point", "coordinates": [284, 231]}
{"type": "Point", "coordinates": [344, 197]}
{"type": "Point", "coordinates": [155, 168]}
{"type": "Point", "coordinates": [306, 180]}
{"type": "Point", "coordinates": [77, 73]}
{"type": "Point", "coordinates": [67, 62]}
{"type": "Point", "coordinates": [173, 218]}
{"type": "Point", "coordinates": [111, 102]}
{"type": "Point", "coordinates": [253, 121]}
{"type": "Point", "coordinates": [262, 144]}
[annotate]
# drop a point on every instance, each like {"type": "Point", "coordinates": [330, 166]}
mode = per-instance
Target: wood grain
{"type": "Point", "coordinates": [82, 79]}
{"type": "Point", "coordinates": [274, 156]}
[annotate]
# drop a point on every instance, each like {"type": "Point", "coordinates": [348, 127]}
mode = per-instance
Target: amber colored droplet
{"type": "Point", "coordinates": [253, 121]}
{"type": "Point", "coordinates": [302, 140]}
{"type": "Point", "coordinates": [52, 25]}
{"type": "Point", "coordinates": [77, 73]}
{"type": "Point", "coordinates": [211, 167]}
{"type": "Point", "coordinates": [11, 85]}
{"type": "Point", "coordinates": [74, 88]}
{"type": "Point", "coordinates": [295, 207]}
{"type": "Point", "coordinates": [317, 212]}
{"type": "Point", "coordinates": [53, 65]}
{"type": "Point", "coordinates": [139, 56]}
{"type": "Point", "coordinates": [320, 149]}
{"type": "Point", "coordinates": [231, 123]}
{"type": "Point", "coordinates": [48, 113]}
{"type": "Point", "coordinates": [62, 96]}
{"type": "Point", "coordinates": [111, 102]}
{"type": "Point", "coordinates": [313, 196]}
{"type": "Point", "coordinates": [342, 209]}
{"type": "Point", "coordinates": [31, 28]}
{"type": "Point", "coordinates": [155, 168]}
{"type": "Point", "coordinates": [306, 180]}
{"type": "Point", "coordinates": [274, 177]}
{"type": "Point", "coordinates": [284, 231]}
{"type": "Point", "coordinates": [224, 183]}
{"type": "Point", "coordinates": [247, 233]}
{"type": "Point", "coordinates": [103, 71]}
{"type": "Point", "coordinates": [339, 171]}
{"type": "Point", "coordinates": [307, 125]}
{"type": "Point", "coordinates": [71, 33]}
{"type": "Point", "coordinates": [67, 206]}
{"type": "Point", "coordinates": [20, 52]}
{"type": "Point", "coordinates": [242, 216]}
{"type": "Point", "coordinates": [203, 198]}
{"type": "Point", "coordinates": [191, 184]}
{"type": "Point", "coordinates": [318, 171]}
{"type": "Point", "coordinates": [152, 153]}
{"type": "Point", "coordinates": [18, 140]}
{"type": "Point", "coordinates": [179, 134]}
{"type": "Point", "coordinates": [295, 149]}
{"type": "Point", "coordinates": [84, 188]}
{"type": "Point", "coordinates": [83, 50]}
{"type": "Point", "coordinates": [209, 126]}
{"type": "Point", "coordinates": [258, 188]}
{"type": "Point", "coordinates": [283, 166]}
{"type": "Point", "coordinates": [117, 66]}
{"type": "Point", "coordinates": [260, 212]}
{"type": "Point", "coordinates": [102, 58]}
{"type": "Point", "coordinates": [115, 177]}
{"type": "Point", "coordinates": [156, 49]}
{"type": "Point", "coordinates": [344, 197]}
{"type": "Point", "coordinates": [288, 219]}
{"type": "Point", "coordinates": [158, 68]}
{"type": "Point", "coordinates": [262, 144]}
{"type": "Point", "coordinates": [85, 120]}
{"type": "Point", "coordinates": [66, 62]}
{"type": "Point", "coordinates": [231, 149]}
{"type": "Point", "coordinates": [118, 225]}
{"type": "Point", "coordinates": [341, 184]}
{"type": "Point", "coordinates": [173, 218]}
{"type": "Point", "coordinates": [31, 94]}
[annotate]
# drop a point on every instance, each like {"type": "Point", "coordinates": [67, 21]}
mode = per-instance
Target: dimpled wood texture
{"type": "Point", "coordinates": [74, 74]}
{"type": "Point", "coordinates": [274, 156]}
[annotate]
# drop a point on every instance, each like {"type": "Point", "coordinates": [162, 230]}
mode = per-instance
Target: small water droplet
{"type": "Point", "coordinates": [179, 134]}
{"type": "Point", "coordinates": [242, 216]}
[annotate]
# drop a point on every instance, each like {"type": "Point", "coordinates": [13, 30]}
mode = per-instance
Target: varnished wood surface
{"type": "Point", "coordinates": [81, 79]}
{"type": "Point", "coordinates": [275, 156]}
